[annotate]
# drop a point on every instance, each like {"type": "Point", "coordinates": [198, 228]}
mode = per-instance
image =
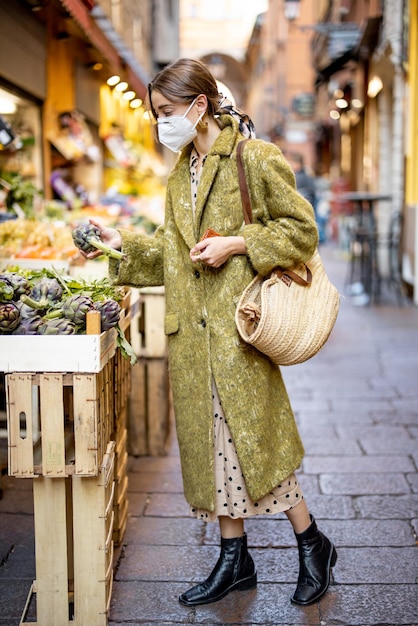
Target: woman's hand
{"type": "Point", "coordinates": [109, 236]}
{"type": "Point", "coordinates": [215, 251]}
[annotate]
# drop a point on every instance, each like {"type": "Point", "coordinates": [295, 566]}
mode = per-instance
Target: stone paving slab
{"type": "Point", "coordinates": [356, 464]}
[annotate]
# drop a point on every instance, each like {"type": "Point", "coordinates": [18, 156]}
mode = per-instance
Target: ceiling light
{"type": "Point", "coordinates": [341, 103]}
{"type": "Point", "coordinates": [129, 95]}
{"type": "Point", "coordinates": [113, 80]}
{"type": "Point", "coordinates": [136, 103]}
{"type": "Point", "coordinates": [121, 86]}
{"type": "Point", "coordinates": [7, 107]}
{"type": "Point", "coordinates": [375, 86]}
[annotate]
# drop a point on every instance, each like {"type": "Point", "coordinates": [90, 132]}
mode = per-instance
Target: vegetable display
{"type": "Point", "coordinates": [46, 302]}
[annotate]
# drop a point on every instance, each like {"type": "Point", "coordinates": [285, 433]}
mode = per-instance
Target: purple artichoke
{"type": "Point", "coordinates": [44, 294]}
{"type": "Point", "coordinates": [86, 237]}
{"type": "Point", "coordinates": [109, 313]}
{"type": "Point", "coordinates": [9, 317]}
{"type": "Point", "coordinates": [26, 311]}
{"type": "Point", "coordinates": [28, 326]}
{"type": "Point", "coordinates": [59, 326]}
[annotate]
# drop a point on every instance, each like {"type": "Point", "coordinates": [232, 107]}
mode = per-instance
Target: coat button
{"type": "Point", "coordinates": [197, 274]}
{"type": "Point", "coordinates": [203, 322]}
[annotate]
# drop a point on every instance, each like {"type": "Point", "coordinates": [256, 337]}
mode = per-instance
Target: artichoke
{"type": "Point", "coordinates": [76, 307]}
{"type": "Point", "coordinates": [6, 289]}
{"type": "Point", "coordinates": [86, 237]}
{"type": "Point", "coordinates": [28, 326]}
{"type": "Point", "coordinates": [26, 311]}
{"type": "Point", "coordinates": [19, 283]}
{"type": "Point", "coordinates": [109, 313]}
{"type": "Point", "coordinates": [57, 327]}
{"type": "Point", "coordinates": [44, 294]}
{"type": "Point", "coordinates": [9, 317]}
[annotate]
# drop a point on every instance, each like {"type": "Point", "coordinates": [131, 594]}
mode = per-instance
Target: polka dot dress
{"type": "Point", "coordinates": [232, 499]}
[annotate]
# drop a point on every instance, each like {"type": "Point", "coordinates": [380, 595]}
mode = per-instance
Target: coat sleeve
{"type": "Point", "coordinates": [144, 263]}
{"type": "Point", "coordinates": [283, 232]}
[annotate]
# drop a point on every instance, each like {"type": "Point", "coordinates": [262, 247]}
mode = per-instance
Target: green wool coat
{"type": "Point", "coordinates": [203, 342]}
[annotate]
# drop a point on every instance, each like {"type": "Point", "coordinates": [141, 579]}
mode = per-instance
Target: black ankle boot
{"type": "Point", "coordinates": [316, 557]}
{"type": "Point", "coordinates": [233, 570]}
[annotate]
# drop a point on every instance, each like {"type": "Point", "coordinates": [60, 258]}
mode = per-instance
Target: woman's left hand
{"type": "Point", "coordinates": [215, 251]}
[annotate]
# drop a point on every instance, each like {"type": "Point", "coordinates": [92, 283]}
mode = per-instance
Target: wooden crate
{"type": "Point", "coordinates": [66, 353]}
{"type": "Point", "coordinates": [59, 424]}
{"type": "Point", "coordinates": [149, 408]}
{"type": "Point", "coordinates": [148, 338]}
{"type": "Point", "coordinates": [73, 548]}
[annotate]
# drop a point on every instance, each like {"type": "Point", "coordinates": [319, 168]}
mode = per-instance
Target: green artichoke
{"type": "Point", "coordinates": [59, 326]}
{"type": "Point", "coordinates": [6, 289]}
{"type": "Point", "coordinates": [75, 308]}
{"type": "Point", "coordinates": [86, 237]}
{"type": "Point", "coordinates": [19, 283]}
{"type": "Point", "coordinates": [109, 313]}
{"type": "Point", "coordinates": [9, 317]}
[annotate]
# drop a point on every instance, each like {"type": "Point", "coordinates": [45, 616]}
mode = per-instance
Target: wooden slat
{"type": "Point", "coordinates": [51, 551]}
{"type": "Point", "coordinates": [52, 425]}
{"type": "Point", "coordinates": [157, 406]}
{"type": "Point", "coordinates": [86, 411]}
{"type": "Point", "coordinates": [91, 544]}
{"type": "Point", "coordinates": [19, 403]}
{"type": "Point", "coordinates": [137, 416]}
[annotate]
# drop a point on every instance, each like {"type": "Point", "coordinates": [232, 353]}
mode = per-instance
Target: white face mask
{"type": "Point", "coordinates": [177, 131]}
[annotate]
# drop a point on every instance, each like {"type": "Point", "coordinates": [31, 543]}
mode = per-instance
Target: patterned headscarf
{"type": "Point", "coordinates": [246, 125]}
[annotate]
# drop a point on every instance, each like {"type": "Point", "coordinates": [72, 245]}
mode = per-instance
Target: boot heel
{"type": "Point", "coordinates": [334, 556]}
{"type": "Point", "coordinates": [247, 583]}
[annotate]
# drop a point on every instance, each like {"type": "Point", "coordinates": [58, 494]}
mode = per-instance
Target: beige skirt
{"type": "Point", "coordinates": [232, 498]}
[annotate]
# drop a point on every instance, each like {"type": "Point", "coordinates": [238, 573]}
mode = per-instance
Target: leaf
{"type": "Point", "coordinates": [125, 347]}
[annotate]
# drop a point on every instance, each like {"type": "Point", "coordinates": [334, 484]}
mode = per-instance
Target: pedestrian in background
{"type": "Point", "coordinates": [238, 439]}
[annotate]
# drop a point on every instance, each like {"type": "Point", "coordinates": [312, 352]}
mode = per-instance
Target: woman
{"type": "Point", "coordinates": [239, 444]}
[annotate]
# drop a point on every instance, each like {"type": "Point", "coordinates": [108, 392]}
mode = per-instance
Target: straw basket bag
{"type": "Point", "coordinates": [290, 314]}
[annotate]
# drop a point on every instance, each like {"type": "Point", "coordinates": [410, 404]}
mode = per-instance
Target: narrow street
{"type": "Point", "coordinates": [356, 405]}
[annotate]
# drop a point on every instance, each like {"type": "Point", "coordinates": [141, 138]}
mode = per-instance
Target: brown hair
{"type": "Point", "coordinates": [184, 80]}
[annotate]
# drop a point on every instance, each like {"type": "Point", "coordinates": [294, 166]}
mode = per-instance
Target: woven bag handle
{"type": "Point", "coordinates": [248, 217]}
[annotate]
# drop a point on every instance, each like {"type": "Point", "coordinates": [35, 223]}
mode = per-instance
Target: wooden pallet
{"type": "Point", "coordinates": [73, 548]}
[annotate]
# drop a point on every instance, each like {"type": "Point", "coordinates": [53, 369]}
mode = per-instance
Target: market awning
{"type": "Point", "coordinates": [325, 74]}
{"type": "Point", "coordinates": [365, 43]}
{"type": "Point", "coordinates": [99, 30]}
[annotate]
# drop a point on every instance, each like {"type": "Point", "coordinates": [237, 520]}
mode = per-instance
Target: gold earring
{"type": "Point", "coordinates": [201, 125]}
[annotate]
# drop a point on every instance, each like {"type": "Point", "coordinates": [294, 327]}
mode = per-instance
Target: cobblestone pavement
{"type": "Point", "coordinates": [356, 404]}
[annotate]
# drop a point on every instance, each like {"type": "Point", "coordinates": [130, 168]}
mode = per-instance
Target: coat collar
{"type": "Point", "coordinates": [223, 146]}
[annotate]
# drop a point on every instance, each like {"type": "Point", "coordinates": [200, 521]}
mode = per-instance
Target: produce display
{"type": "Point", "coordinates": [32, 239]}
{"type": "Point", "coordinates": [46, 302]}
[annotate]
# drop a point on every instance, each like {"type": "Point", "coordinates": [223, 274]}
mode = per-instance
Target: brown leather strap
{"type": "Point", "coordinates": [286, 275]}
{"type": "Point", "coordinates": [245, 196]}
